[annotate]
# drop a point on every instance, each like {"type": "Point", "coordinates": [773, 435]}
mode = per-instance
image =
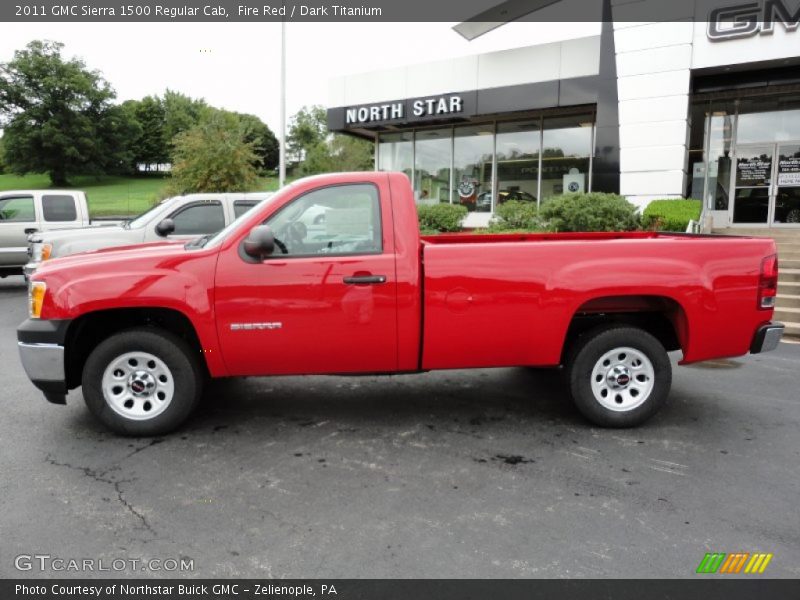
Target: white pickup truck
{"type": "Point", "coordinates": [180, 217]}
{"type": "Point", "coordinates": [23, 212]}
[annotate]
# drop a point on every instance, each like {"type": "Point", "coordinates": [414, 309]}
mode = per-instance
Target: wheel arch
{"type": "Point", "coordinates": [660, 315]}
{"type": "Point", "coordinates": [88, 330]}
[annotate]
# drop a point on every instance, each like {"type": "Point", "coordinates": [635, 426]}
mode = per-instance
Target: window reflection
{"type": "Point", "coordinates": [433, 157]}
{"type": "Point", "coordinates": [566, 147]}
{"type": "Point", "coordinates": [787, 202]}
{"type": "Point", "coordinates": [472, 160]}
{"type": "Point", "coordinates": [768, 120]}
{"type": "Point", "coordinates": [396, 152]}
{"type": "Point", "coordinates": [518, 161]}
{"type": "Point", "coordinates": [720, 127]}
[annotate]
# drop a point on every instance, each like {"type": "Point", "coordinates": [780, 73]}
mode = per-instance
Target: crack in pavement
{"type": "Point", "coordinates": [102, 477]}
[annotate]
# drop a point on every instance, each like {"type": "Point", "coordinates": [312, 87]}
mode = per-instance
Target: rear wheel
{"type": "Point", "coordinates": [142, 382]}
{"type": "Point", "coordinates": [619, 376]}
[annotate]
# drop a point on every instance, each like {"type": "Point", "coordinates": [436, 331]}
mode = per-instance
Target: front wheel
{"type": "Point", "coordinates": [142, 382]}
{"type": "Point", "coordinates": [619, 376]}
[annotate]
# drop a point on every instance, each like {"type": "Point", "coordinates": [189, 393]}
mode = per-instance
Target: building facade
{"type": "Point", "coordinates": [698, 109]}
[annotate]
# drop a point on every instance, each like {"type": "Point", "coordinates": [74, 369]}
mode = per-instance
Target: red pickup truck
{"type": "Point", "coordinates": [332, 276]}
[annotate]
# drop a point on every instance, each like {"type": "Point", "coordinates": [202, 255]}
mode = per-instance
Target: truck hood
{"type": "Point", "coordinates": [107, 257]}
{"type": "Point", "coordinates": [63, 235]}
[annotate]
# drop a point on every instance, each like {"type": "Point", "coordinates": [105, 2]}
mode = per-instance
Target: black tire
{"type": "Point", "coordinates": [585, 370]}
{"type": "Point", "coordinates": [184, 370]}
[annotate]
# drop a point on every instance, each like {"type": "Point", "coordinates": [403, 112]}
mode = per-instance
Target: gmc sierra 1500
{"type": "Point", "coordinates": [285, 291]}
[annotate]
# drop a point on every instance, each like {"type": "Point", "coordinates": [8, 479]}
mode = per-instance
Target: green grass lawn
{"type": "Point", "coordinates": [111, 196]}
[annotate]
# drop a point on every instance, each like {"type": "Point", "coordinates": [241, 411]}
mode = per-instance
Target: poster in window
{"type": "Point", "coordinates": [753, 171]}
{"type": "Point", "coordinates": [789, 170]}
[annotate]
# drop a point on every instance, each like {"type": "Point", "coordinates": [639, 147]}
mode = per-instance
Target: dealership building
{"type": "Point", "coordinates": [681, 109]}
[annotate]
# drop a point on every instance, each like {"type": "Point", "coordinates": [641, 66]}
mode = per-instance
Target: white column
{"type": "Point", "coordinates": [653, 77]}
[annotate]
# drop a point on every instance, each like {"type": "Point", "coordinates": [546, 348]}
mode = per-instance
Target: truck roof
{"type": "Point", "coordinates": [47, 190]}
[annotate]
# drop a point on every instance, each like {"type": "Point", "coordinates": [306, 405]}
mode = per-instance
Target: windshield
{"type": "Point", "coordinates": [145, 217]}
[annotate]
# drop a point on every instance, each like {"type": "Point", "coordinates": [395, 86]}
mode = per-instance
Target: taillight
{"type": "Point", "coordinates": [768, 282]}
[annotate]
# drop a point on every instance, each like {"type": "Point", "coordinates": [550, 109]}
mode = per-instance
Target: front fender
{"type": "Point", "coordinates": [181, 284]}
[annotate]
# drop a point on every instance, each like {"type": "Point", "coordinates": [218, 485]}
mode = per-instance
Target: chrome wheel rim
{"type": "Point", "coordinates": [138, 386]}
{"type": "Point", "coordinates": [622, 379]}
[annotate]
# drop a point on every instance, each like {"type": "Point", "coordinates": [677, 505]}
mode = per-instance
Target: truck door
{"type": "Point", "coordinates": [192, 220]}
{"type": "Point", "coordinates": [325, 301]}
{"type": "Point", "coordinates": [17, 214]}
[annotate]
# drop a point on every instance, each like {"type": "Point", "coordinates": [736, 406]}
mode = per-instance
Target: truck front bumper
{"type": "Point", "coordinates": [41, 350]}
{"type": "Point", "coordinates": [766, 338]}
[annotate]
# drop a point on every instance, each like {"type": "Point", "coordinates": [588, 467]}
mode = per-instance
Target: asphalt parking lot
{"type": "Point", "coordinates": [454, 474]}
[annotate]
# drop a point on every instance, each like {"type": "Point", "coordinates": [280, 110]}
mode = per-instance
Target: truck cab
{"type": "Point", "coordinates": [23, 212]}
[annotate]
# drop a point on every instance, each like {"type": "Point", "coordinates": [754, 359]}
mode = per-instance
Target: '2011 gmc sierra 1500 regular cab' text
{"type": "Point", "coordinates": [332, 277]}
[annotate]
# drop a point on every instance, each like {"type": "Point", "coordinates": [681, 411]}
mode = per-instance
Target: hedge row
{"type": "Point", "coordinates": [671, 215]}
{"type": "Point", "coordinates": [571, 212]}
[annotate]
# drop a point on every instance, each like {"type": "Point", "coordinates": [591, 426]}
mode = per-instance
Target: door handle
{"type": "Point", "coordinates": [365, 279]}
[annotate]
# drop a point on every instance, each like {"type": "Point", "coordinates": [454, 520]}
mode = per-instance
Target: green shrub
{"type": "Point", "coordinates": [441, 217]}
{"type": "Point", "coordinates": [671, 215]}
{"type": "Point", "coordinates": [515, 215]}
{"type": "Point", "coordinates": [589, 212]}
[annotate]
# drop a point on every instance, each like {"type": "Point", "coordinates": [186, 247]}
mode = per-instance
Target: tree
{"type": "Point", "coordinates": [310, 143]}
{"type": "Point", "coordinates": [265, 144]}
{"type": "Point", "coordinates": [58, 116]}
{"type": "Point", "coordinates": [151, 146]}
{"type": "Point", "coordinates": [352, 154]}
{"type": "Point", "coordinates": [339, 153]}
{"type": "Point", "coordinates": [180, 113]}
{"type": "Point", "coordinates": [213, 156]}
{"type": "Point", "coordinates": [307, 129]}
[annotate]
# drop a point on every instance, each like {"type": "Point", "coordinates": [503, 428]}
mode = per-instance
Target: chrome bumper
{"type": "Point", "coordinates": [42, 362]}
{"type": "Point", "coordinates": [767, 338]}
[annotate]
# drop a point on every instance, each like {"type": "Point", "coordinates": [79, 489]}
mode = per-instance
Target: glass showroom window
{"type": "Point", "coordinates": [777, 120]}
{"type": "Point", "coordinates": [518, 146]}
{"type": "Point", "coordinates": [396, 152]}
{"type": "Point", "coordinates": [434, 153]}
{"type": "Point", "coordinates": [697, 156]}
{"type": "Point", "coordinates": [473, 149]}
{"type": "Point", "coordinates": [567, 148]}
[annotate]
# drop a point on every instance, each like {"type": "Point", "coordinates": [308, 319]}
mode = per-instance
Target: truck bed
{"type": "Point", "coordinates": [508, 299]}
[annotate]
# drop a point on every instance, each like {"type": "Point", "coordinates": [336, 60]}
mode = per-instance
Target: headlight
{"type": "Point", "coordinates": [40, 251]}
{"type": "Point", "coordinates": [36, 293]}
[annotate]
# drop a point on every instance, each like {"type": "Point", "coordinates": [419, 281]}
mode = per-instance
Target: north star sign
{"type": "Point", "coordinates": [751, 18]}
{"type": "Point", "coordinates": [437, 106]}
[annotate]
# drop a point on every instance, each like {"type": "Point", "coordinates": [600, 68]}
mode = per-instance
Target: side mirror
{"type": "Point", "coordinates": [165, 227]}
{"type": "Point", "coordinates": [260, 243]}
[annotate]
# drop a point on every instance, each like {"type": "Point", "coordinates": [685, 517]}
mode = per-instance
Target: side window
{"type": "Point", "coordinates": [341, 219]}
{"type": "Point", "coordinates": [199, 219]}
{"type": "Point", "coordinates": [17, 209]}
{"type": "Point", "coordinates": [242, 206]}
{"type": "Point", "coordinates": [59, 208]}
